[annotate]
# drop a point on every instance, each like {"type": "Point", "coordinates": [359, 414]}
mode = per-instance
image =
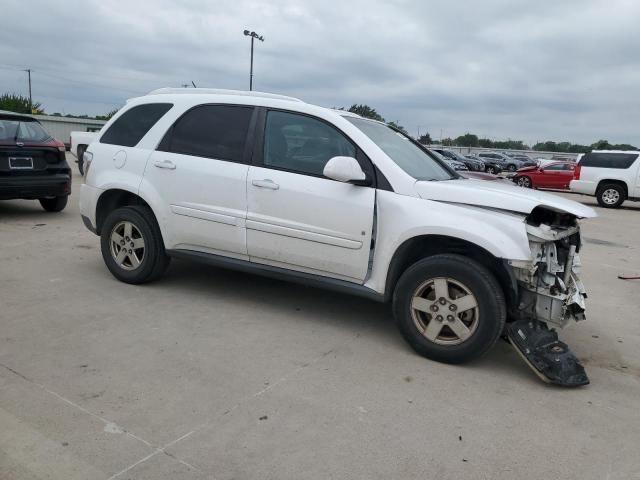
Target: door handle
{"type": "Point", "coordinates": [168, 164]}
{"type": "Point", "coordinates": [270, 184]}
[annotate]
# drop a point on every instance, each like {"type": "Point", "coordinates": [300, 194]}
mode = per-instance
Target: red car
{"type": "Point", "coordinates": [555, 175]}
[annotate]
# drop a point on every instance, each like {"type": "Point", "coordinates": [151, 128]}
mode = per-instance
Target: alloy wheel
{"type": "Point", "coordinates": [445, 311]}
{"type": "Point", "coordinates": [610, 196]}
{"type": "Point", "coordinates": [127, 245]}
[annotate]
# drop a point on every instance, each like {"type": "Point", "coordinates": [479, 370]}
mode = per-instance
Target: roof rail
{"type": "Point", "coordinates": [220, 91]}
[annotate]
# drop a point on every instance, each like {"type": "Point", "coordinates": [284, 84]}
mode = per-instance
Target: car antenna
{"type": "Point", "coordinates": [194, 85]}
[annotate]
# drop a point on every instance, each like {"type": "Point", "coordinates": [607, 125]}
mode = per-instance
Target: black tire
{"type": "Point", "coordinates": [80, 152]}
{"type": "Point", "coordinates": [154, 260]}
{"type": "Point", "coordinates": [606, 195]}
{"type": "Point", "coordinates": [511, 167]}
{"type": "Point", "coordinates": [523, 181]}
{"type": "Point", "coordinates": [491, 169]}
{"type": "Point", "coordinates": [55, 204]}
{"type": "Point", "coordinates": [489, 297]}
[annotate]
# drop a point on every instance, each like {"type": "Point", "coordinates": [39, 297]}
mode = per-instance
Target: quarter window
{"type": "Point", "coordinates": [212, 131]}
{"type": "Point", "coordinates": [302, 144]}
{"type": "Point", "coordinates": [608, 160]}
{"type": "Point", "coordinates": [132, 125]}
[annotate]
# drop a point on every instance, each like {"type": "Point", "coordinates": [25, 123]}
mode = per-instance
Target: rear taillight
{"type": "Point", "coordinates": [576, 172]}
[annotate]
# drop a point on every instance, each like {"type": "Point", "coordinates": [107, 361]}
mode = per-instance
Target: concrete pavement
{"type": "Point", "coordinates": [215, 374]}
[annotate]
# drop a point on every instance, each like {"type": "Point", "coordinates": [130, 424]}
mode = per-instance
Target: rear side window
{"type": "Point", "coordinates": [608, 160]}
{"type": "Point", "coordinates": [134, 124]}
{"type": "Point", "coordinates": [211, 131]}
{"type": "Point", "coordinates": [559, 166]}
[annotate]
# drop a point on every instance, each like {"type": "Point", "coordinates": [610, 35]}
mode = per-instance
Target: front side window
{"type": "Point", "coordinates": [211, 131]}
{"type": "Point", "coordinates": [302, 144]}
{"type": "Point", "coordinates": [129, 128]}
{"type": "Point", "coordinates": [608, 160]}
{"type": "Point", "coordinates": [407, 155]}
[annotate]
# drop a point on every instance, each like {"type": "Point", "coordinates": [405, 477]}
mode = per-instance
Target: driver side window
{"type": "Point", "coordinates": [302, 144]}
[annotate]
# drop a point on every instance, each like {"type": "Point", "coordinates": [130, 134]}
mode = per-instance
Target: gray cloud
{"type": "Point", "coordinates": [501, 68]}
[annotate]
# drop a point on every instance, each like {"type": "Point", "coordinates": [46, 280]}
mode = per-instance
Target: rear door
{"type": "Point", "coordinates": [297, 218]}
{"type": "Point", "coordinates": [198, 175]}
{"type": "Point", "coordinates": [557, 175]}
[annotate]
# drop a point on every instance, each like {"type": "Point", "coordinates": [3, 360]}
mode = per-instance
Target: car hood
{"type": "Point", "coordinates": [498, 195]}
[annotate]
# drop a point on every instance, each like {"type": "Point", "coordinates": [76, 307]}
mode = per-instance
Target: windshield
{"type": "Point", "coordinates": [26, 130]}
{"type": "Point", "coordinates": [408, 156]}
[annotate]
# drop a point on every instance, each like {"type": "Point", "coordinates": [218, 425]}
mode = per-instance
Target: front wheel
{"type": "Point", "coordinates": [610, 195]}
{"type": "Point", "coordinates": [491, 170]}
{"type": "Point", "coordinates": [55, 204]}
{"type": "Point", "coordinates": [512, 168]}
{"type": "Point", "coordinates": [523, 182]}
{"type": "Point", "coordinates": [132, 246]}
{"type": "Point", "coordinates": [449, 308]}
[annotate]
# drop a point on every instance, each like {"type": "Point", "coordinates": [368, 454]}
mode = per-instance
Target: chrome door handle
{"type": "Point", "coordinates": [168, 164]}
{"type": "Point", "coordinates": [270, 184]}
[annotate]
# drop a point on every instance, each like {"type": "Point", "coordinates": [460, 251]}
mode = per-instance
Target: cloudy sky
{"type": "Point", "coordinates": [521, 69]}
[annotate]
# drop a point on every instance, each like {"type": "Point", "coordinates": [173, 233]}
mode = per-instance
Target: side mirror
{"type": "Point", "coordinates": [344, 169]}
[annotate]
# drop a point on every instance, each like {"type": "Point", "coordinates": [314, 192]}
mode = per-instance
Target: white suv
{"type": "Point", "coordinates": [613, 176]}
{"type": "Point", "coordinates": [270, 184]}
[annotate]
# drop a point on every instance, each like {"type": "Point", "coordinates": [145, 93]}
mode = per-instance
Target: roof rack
{"type": "Point", "coordinates": [220, 91]}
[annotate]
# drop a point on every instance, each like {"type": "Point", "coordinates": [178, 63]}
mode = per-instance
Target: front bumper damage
{"type": "Point", "coordinates": [550, 294]}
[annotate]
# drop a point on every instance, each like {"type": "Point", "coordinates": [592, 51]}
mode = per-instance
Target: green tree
{"type": "Point", "coordinates": [467, 140]}
{"type": "Point", "coordinates": [108, 115]}
{"type": "Point", "coordinates": [19, 104]}
{"type": "Point", "coordinates": [425, 139]}
{"type": "Point", "coordinates": [397, 127]}
{"type": "Point", "coordinates": [366, 111]}
{"type": "Point", "coordinates": [601, 145]}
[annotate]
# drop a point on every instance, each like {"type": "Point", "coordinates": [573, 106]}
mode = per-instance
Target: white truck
{"type": "Point", "coordinates": [612, 176]}
{"type": "Point", "coordinates": [79, 143]}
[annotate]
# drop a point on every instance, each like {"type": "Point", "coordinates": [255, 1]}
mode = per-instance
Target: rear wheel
{"type": "Point", "coordinates": [511, 167]}
{"type": "Point", "coordinates": [449, 308]}
{"type": "Point", "coordinates": [55, 204]}
{"type": "Point", "coordinates": [132, 246]}
{"type": "Point", "coordinates": [523, 182]}
{"type": "Point", "coordinates": [610, 195]}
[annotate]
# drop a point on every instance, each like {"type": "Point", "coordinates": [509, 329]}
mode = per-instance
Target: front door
{"type": "Point", "coordinates": [198, 176]}
{"type": "Point", "coordinates": [299, 219]}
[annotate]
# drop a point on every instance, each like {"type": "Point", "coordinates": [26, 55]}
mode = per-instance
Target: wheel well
{"type": "Point", "coordinates": [616, 182]}
{"type": "Point", "coordinates": [424, 246]}
{"type": "Point", "coordinates": [112, 199]}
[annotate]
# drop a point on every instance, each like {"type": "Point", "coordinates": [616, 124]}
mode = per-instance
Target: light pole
{"type": "Point", "coordinates": [253, 36]}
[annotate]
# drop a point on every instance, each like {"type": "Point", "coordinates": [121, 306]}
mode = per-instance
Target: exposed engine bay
{"type": "Point", "coordinates": [550, 295]}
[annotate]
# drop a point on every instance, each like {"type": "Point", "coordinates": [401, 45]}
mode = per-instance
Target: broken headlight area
{"type": "Point", "coordinates": [550, 294]}
{"type": "Point", "coordinates": [550, 289]}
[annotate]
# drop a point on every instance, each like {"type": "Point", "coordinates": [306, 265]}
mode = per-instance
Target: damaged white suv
{"type": "Point", "coordinates": [272, 185]}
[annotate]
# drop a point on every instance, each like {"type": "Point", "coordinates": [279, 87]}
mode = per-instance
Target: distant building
{"type": "Point", "coordinates": [60, 128]}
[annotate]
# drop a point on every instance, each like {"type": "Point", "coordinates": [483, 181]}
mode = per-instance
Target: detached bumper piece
{"type": "Point", "coordinates": [547, 356]}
